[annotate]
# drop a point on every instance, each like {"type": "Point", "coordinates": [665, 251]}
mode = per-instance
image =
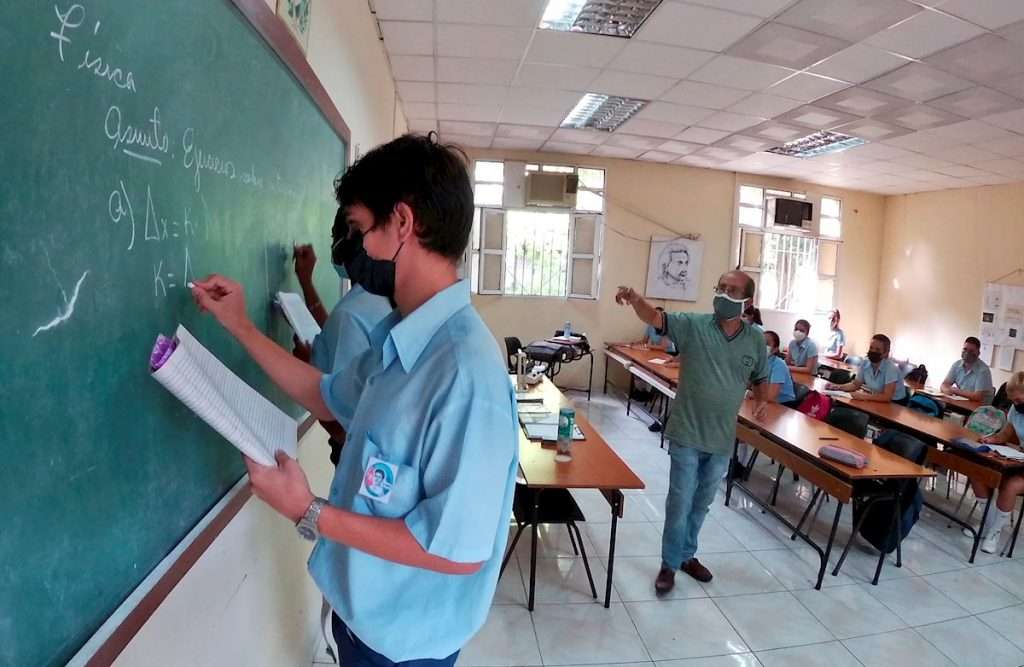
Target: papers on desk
{"type": "Point", "coordinates": [532, 408]}
{"type": "Point", "coordinates": [955, 398]}
{"type": "Point", "coordinates": [549, 432]}
{"type": "Point", "coordinates": [529, 397]}
{"type": "Point", "coordinates": [538, 418]}
{"type": "Point", "coordinates": [565, 340]}
{"type": "Point", "coordinates": [1011, 453]}
{"type": "Point", "coordinates": [932, 391]}
{"type": "Point", "coordinates": [659, 361]}
{"type": "Point", "coordinates": [836, 393]}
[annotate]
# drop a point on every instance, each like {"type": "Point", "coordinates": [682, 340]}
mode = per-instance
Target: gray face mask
{"type": "Point", "coordinates": [727, 308]}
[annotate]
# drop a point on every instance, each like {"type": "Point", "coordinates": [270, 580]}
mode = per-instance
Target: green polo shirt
{"type": "Point", "coordinates": [715, 373]}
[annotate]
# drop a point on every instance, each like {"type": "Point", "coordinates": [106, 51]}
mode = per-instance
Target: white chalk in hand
{"type": "Point", "coordinates": [190, 285]}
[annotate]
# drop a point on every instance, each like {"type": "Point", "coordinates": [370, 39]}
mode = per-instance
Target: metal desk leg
{"type": "Point", "coordinates": [616, 508]}
{"type": "Point", "coordinates": [533, 547]}
{"type": "Point", "coordinates": [629, 394]}
{"type": "Point", "coordinates": [606, 373]}
{"type": "Point", "coordinates": [590, 382]}
{"type": "Point", "coordinates": [828, 547]}
{"type": "Point", "coordinates": [730, 476]}
{"type": "Point", "coordinates": [896, 528]}
{"type": "Point", "coordinates": [981, 528]}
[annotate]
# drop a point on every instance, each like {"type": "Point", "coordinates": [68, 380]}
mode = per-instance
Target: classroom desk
{"type": "Point", "coordinates": [987, 468]}
{"type": "Point", "coordinates": [837, 365]}
{"type": "Point", "coordinates": [964, 407]}
{"type": "Point", "coordinates": [792, 439]}
{"type": "Point", "coordinates": [629, 356]}
{"type": "Point", "coordinates": [594, 465]}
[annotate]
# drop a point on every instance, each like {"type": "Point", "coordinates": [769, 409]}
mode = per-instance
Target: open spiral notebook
{"type": "Point", "coordinates": [243, 416]}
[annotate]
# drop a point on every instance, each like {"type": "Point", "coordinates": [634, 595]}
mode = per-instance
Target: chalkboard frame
{"type": "Point", "coordinates": [276, 34]}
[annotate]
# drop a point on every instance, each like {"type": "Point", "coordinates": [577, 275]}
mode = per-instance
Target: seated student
{"type": "Point", "coordinates": [346, 331]}
{"type": "Point", "coordinates": [802, 354]}
{"type": "Point", "coordinates": [878, 378]}
{"type": "Point", "coordinates": [752, 316]}
{"type": "Point", "coordinates": [1013, 485]}
{"type": "Point", "coordinates": [836, 338]}
{"type": "Point", "coordinates": [779, 388]}
{"type": "Point", "coordinates": [653, 339]}
{"type": "Point", "coordinates": [969, 376]}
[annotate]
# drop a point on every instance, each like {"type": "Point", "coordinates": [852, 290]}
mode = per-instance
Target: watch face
{"type": "Point", "coordinates": [306, 532]}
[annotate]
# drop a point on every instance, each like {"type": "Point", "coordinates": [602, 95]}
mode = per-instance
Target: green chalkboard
{"type": "Point", "coordinates": [143, 143]}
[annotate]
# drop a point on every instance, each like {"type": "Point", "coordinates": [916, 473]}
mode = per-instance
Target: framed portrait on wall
{"type": "Point", "coordinates": [673, 270]}
{"type": "Point", "coordinates": [296, 14]}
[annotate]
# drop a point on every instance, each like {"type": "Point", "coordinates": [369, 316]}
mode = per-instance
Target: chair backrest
{"type": "Point", "coordinates": [840, 376]}
{"type": "Point", "coordinates": [903, 444]}
{"type": "Point", "coordinates": [854, 360]}
{"type": "Point", "coordinates": [926, 404]}
{"type": "Point", "coordinates": [800, 391]}
{"type": "Point", "coordinates": [1001, 399]}
{"type": "Point", "coordinates": [986, 420]}
{"type": "Point", "coordinates": [512, 347]}
{"type": "Point", "coordinates": [852, 421]}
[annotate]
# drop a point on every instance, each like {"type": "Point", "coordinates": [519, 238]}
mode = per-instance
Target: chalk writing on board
{"type": "Point", "coordinates": [96, 65]}
{"type": "Point", "coordinates": [119, 206]}
{"type": "Point", "coordinates": [72, 18]}
{"type": "Point", "coordinates": [68, 21]}
{"type": "Point", "coordinates": [127, 137]}
{"type": "Point", "coordinates": [195, 158]}
{"type": "Point", "coordinates": [65, 311]}
{"type": "Point", "coordinates": [164, 279]}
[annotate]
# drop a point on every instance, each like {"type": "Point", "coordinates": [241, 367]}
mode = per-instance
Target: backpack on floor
{"type": "Point", "coordinates": [816, 405]}
{"type": "Point", "coordinates": [877, 528]}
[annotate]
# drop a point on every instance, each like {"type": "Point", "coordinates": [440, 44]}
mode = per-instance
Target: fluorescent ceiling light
{"type": "Point", "coordinates": [616, 18]}
{"type": "Point", "coordinates": [602, 112]}
{"type": "Point", "coordinates": [818, 143]}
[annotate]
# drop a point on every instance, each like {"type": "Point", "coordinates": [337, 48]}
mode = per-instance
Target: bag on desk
{"type": "Point", "coordinates": [816, 405]}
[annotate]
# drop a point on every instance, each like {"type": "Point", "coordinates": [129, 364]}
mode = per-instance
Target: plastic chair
{"type": "Point", "coordinates": [852, 421]}
{"type": "Point", "coordinates": [512, 347]}
{"type": "Point", "coordinates": [986, 420]}
{"type": "Point", "coordinates": [1001, 400]}
{"type": "Point", "coordinates": [854, 360]}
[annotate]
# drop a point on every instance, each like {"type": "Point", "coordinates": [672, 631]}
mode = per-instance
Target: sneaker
{"type": "Point", "coordinates": [695, 569]}
{"type": "Point", "coordinates": [665, 582]}
{"type": "Point", "coordinates": [655, 427]}
{"type": "Point", "coordinates": [991, 542]}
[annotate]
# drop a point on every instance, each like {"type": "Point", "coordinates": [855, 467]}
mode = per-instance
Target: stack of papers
{"type": "Point", "coordinates": [549, 432]}
{"type": "Point", "coordinates": [1008, 452]}
{"type": "Point", "coordinates": [836, 393]}
{"type": "Point", "coordinates": [532, 408]}
{"type": "Point", "coordinates": [529, 397]}
{"type": "Point", "coordinates": [538, 418]}
{"type": "Point", "coordinates": [659, 361]}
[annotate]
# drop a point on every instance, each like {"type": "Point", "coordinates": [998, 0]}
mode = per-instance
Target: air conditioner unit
{"type": "Point", "coordinates": [556, 190]}
{"type": "Point", "coordinates": [792, 214]}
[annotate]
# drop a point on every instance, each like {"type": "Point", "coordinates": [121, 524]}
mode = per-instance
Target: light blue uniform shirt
{"type": "Point", "coordinates": [836, 340]}
{"type": "Point", "coordinates": [778, 373]}
{"type": "Point", "coordinates": [800, 352]}
{"type": "Point", "coordinates": [346, 333]}
{"type": "Point", "coordinates": [976, 378]}
{"type": "Point", "coordinates": [654, 338]}
{"type": "Point", "coordinates": [887, 373]}
{"type": "Point", "coordinates": [432, 397]}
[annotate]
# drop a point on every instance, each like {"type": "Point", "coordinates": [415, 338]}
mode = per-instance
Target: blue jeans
{"type": "Point", "coordinates": [354, 653]}
{"type": "Point", "coordinates": [692, 483]}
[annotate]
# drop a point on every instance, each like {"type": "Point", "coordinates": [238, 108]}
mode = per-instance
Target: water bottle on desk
{"type": "Point", "coordinates": [566, 428]}
{"type": "Point", "coordinates": [567, 330]}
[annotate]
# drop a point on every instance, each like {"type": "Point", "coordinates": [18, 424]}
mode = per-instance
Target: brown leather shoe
{"type": "Point", "coordinates": [694, 568]}
{"type": "Point", "coordinates": [665, 582]}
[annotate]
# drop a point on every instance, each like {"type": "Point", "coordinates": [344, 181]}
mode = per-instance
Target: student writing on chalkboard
{"type": "Point", "coordinates": [345, 333]}
{"type": "Point", "coordinates": [409, 563]}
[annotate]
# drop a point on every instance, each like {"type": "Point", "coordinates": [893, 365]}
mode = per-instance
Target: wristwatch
{"type": "Point", "coordinates": [307, 524]}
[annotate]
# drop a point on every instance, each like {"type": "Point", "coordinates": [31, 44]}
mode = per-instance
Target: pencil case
{"type": "Point", "coordinates": [843, 455]}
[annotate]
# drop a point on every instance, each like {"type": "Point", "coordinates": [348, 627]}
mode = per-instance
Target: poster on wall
{"type": "Point", "coordinates": [1002, 316]}
{"type": "Point", "coordinates": [673, 270]}
{"type": "Point", "coordinates": [296, 15]}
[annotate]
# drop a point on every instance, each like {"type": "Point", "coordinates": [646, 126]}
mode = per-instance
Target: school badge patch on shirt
{"type": "Point", "coordinates": [378, 480]}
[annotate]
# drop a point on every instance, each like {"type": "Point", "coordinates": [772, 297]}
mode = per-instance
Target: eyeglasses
{"type": "Point", "coordinates": [731, 291]}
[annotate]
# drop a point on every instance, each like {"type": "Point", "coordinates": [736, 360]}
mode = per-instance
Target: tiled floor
{"type": "Point", "coordinates": [761, 608]}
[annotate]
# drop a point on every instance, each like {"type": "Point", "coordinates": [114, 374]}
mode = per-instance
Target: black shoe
{"type": "Point", "coordinates": [665, 581]}
{"type": "Point", "coordinates": [655, 427]}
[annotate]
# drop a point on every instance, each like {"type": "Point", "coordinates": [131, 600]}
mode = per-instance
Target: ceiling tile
{"type": "Point", "coordinates": [524, 13]}
{"type": "Point", "coordinates": [524, 113]}
{"type": "Point", "coordinates": [876, 151]}
{"type": "Point", "coordinates": [659, 156]}
{"type": "Point", "coordinates": [550, 98]}
{"type": "Point", "coordinates": [852, 20]}
{"type": "Point", "coordinates": [468, 128]}
{"type": "Point", "coordinates": [977, 102]}
{"type": "Point", "coordinates": [1012, 85]}
{"type": "Point", "coordinates": [862, 102]}
{"type": "Point", "coordinates": [1006, 167]}
{"type": "Point", "coordinates": [468, 93]}
{"type": "Point", "coordinates": [415, 91]}
{"type": "Point", "coordinates": [719, 153]}
{"type": "Point", "coordinates": [633, 141]}
{"type": "Point", "coordinates": [472, 70]}
{"type": "Point", "coordinates": [704, 95]}
{"type": "Point", "coordinates": [572, 135]}
{"type": "Point", "coordinates": [746, 144]}
{"type": "Point", "coordinates": [466, 140]}
{"type": "Point", "coordinates": [470, 41]}
{"type": "Point", "coordinates": [984, 59]}
{"type": "Point", "coordinates": [923, 162]}
{"type": "Point", "coordinates": [806, 87]}
{"type": "Point", "coordinates": [965, 154]}
{"type": "Point", "coordinates": [507, 131]}
{"type": "Point", "coordinates": [564, 77]}
{"type": "Point", "coordinates": [658, 59]}
{"type": "Point", "coordinates": [695, 27]}
{"type": "Point", "coordinates": [919, 117]}
{"type": "Point", "coordinates": [616, 151]}
{"type": "Point", "coordinates": [651, 128]}
{"type": "Point", "coordinates": [564, 147]}
{"type": "Point", "coordinates": [404, 10]}
{"type": "Point", "coordinates": [1008, 120]}
{"type": "Point", "coordinates": [699, 135]}
{"type": "Point", "coordinates": [762, 8]}
{"type": "Point", "coordinates": [993, 14]}
{"type": "Point", "coordinates": [918, 82]}
{"type": "Point", "coordinates": [422, 125]}
{"type": "Point", "coordinates": [783, 45]}
{"type": "Point", "coordinates": [731, 122]}
{"type": "Point", "coordinates": [872, 129]}
{"type": "Point", "coordinates": [412, 68]}
{"type": "Point", "coordinates": [858, 64]}
{"type": "Point", "coordinates": [961, 171]}
{"type": "Point", "coordinates": [923, 34]}
{"type": "Point", "coordinates": [817, 118]}
{"type": "Point", "coordinates": [778, 132]}
{"type": "Point", "coordinates": [630, 84]}
{"type": "Point", "coordinates": [1012, 147]}
{"type": "Point", "coordinates": [516, 143]}
{"type": "Point", "coordinates": [426, 110]}
{"type": "Point", "coordinates": [764, 105]}
{"type": "Point", "coordinates": [667, 112]}
{"type": "Point", "coordinates": [573, 48]}
{"type": "Point", "coordinates": [679, 147]}
{"type": "Point", "coordinates": [740, 73]}
{"type": "Point", "coordinates": [407, 38]}
{"type": "Point", "coordinates": [477, 112]}
{"type": "Point", "coordinates": [969, 131]}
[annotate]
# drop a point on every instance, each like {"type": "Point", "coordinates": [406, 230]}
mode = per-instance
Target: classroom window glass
{"type": "Point", "coordinates": [536, 253]}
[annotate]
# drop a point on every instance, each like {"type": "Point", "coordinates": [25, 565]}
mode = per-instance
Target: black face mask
{"type": "Point", "coordinates": [874, 357]}
{"type": "Point", "coordinates": [376, 276]}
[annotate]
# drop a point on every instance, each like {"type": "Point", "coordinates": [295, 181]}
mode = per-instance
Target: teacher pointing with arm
{"type": "Point", "coordinates": [720, 356]}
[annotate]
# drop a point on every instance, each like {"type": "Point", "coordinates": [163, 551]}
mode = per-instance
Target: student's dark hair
{"type": "Point", "coordinates": [803, 322]}
{"type": "Point", "coordinates": [884, 340]}
{"type": "Point", "coordinates": [776, 341]}
{"type": "Point", "coordinates": [430, 177]}
{"type": "Point", "coordinates": [838, 316]}
{"type": "Point", "coordinates": [659, 308]}
{"type": "Point", "coordinates": [973, 341]}
{"type": "Point", "coordinates": [754, 314]}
